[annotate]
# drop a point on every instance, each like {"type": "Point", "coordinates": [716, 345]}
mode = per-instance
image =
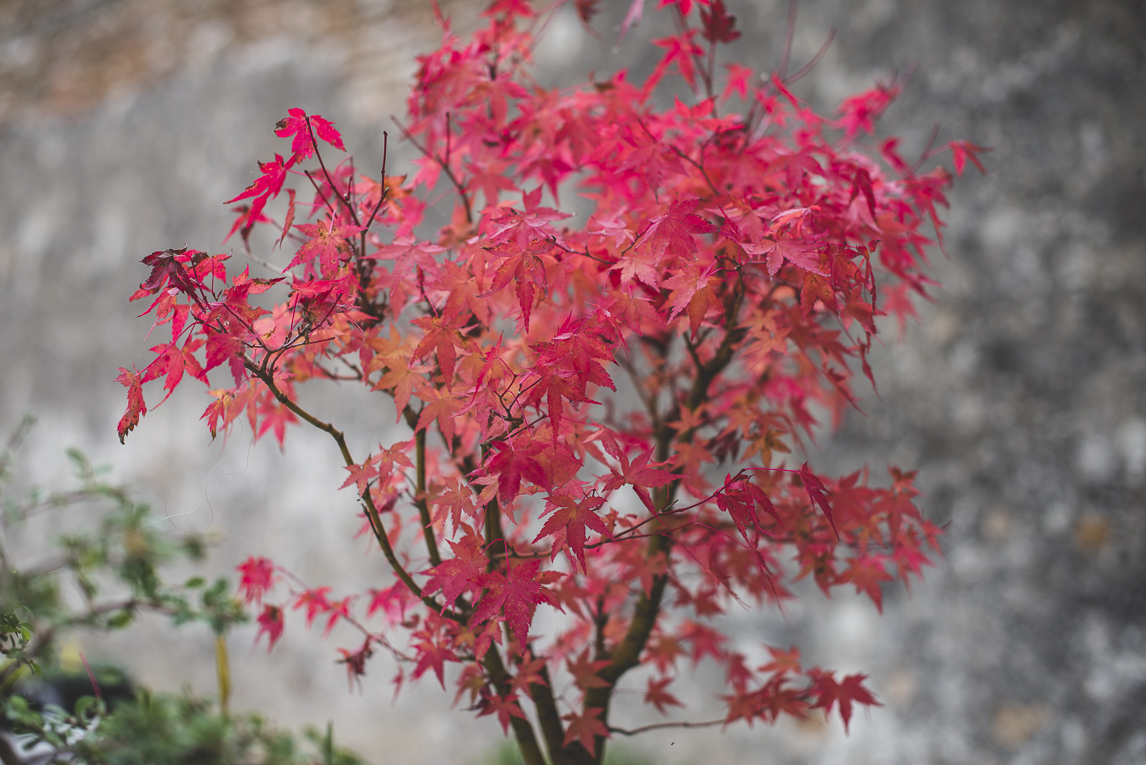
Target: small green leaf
{"type": "Point", "coordinates": [121, 620]}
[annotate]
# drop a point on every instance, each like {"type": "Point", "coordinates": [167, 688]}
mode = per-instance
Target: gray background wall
{"type": "Point", "coordinates": [1019, 395]}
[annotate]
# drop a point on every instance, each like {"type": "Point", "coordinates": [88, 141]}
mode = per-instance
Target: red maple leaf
{"type": "Point", "coordinates": [490, 180]}
{"type": "Point", "coordinates": [859, 112]}
{"type": "Point", "coordinates": [517, 595]}
{"type": "Point", "coordinates": [663, 651]}
{"type": "Point", "coordinates": [795, 251]}
{"type": "Point", "coordinates": [171, 268]}
{"type": "Point", "coordinates": [314, 601]}
{"type": "Point", "coordinates": [850, 690]}
{"type": "Point", "coordinates": [681, 50]}
{"type": "Point", "coordinates": [656, 695]}
{"type": "Point", "coordinates": [266, 187]}
{"type": "Point", "coordinates": [525, 267]}
{"type": "Point", "coordinates": [360, 476]}
{"type": "Point", "coordinates": [432, 654]}
{"type": "Point", "coordinates": [303, 144]}
{"type": "Point", "coordinates": [510, 8]}
{"type": "Point", "coordinates": [584, 728]}
{"type": "Point", "coordinates": [336, 610]}
{"type": "Point", "coordinates": [640, 475]}
{"type": "Point", "coordinates": [585, 671]}
{"type": "Point", "coordinates": [461, 573]}
{"type": "Point", "coordinates": [961, 151]}
{"type": "Point", "coordinates": [442, 336]}
{"type": "Point", "coordinates": [737, 672]}
{"type": "Point", "coordinates": [355, 660]}
{"type": "Point", "coordinates": [735, 501]}
{"type": "Point", "coordinates": [783, 662]}
{"type": "Point", "coordinates": [819, 495]}
{"type": "Point", "coordinates": [441, 404]}
{"type": "Point", "coordinates": [328, 242]}
{"type": "Point", "coordinates": [691, 290]}
{"type": "Point", "coordinates": [719, 25]}
{"type": "Point", "coordinates": [256, 576]}
{"type": "Point", "coordinates": [867, 573]}
{"type": "Point", "coordinates": [392, 601]}
{"type": "Point", "coordinates": [668, 235]}
{"type": "Point", "coordinates": [270, 183]}
{"type": "Point", "coordinates": [136, 408]}
{"type": "Point", "coordinates": [572, 515]}
{"type": "Point", "coordinates": [454, 500]}
{"type": "Point", "coordinates": [504, 708]}
{"type": "Point", "coordinates": [409, 254]}
{"type": "Point", "coordinates": [705, 640]}
{"type": "Point", "coordinates": [271, 624]}
{"type": "Point", "coordinates": [513, 460]}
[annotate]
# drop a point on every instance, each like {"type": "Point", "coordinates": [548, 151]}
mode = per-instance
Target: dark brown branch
{"type": "Point", "coordinates": [627, 653]}
{"type": "Point", "coordinates": [522, 729]}
{"type": "Point", "coordinates": [420, 499]}
{"type": "Point", "coordinates": [600, 619]}
{"type": "Point", "coordinates": [548, 716]}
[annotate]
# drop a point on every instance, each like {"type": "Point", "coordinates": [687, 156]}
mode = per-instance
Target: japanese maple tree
{"type": "Point", "coordinates": [601, 417]}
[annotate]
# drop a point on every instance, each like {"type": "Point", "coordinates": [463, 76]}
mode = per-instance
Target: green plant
{"type": "Point", "coordinates": [162, 729]}
{"type": "Point", "coordinates": [114, 562]}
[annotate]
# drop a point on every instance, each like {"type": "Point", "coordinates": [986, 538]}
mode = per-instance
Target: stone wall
{"type": "Point", "coordinates": [1019, 394]}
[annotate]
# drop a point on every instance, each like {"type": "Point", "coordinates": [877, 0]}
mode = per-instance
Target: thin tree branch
{"type": "Point", "coordinates": [659, 726]}
{"type": "Point", "coordinates": [445, 167]}
{"type": "Point", "coordinates": [372, 513]}
{"type": "Point", "coordinates": [381, 195]}
{"type": "Point", "coordinates": [420, 498]}
{"type": "Point", "coordinates": [330, 181]}
{"type": "Point", "coordinates": [789, 34]}
{"type": "Point", "coordinates": [799, 75]}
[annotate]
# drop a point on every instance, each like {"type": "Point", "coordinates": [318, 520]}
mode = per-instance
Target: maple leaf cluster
{"type": "Point", "coordinates": [600, 418]}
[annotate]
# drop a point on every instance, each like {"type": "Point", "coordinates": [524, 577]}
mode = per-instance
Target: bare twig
{"type": "Point", "coordinates": [659, 726]}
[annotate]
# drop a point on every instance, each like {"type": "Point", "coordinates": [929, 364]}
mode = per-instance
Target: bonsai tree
{"type": "Point", "coordinates": [600, 413]}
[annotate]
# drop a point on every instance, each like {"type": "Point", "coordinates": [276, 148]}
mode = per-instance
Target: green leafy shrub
{"type": "Point", "coordinates": [114, 563]}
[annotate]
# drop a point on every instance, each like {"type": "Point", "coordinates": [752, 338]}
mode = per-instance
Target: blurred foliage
{"type": "Point", "coordinates": [100, 575]}
{"type": "Point", "coordinates": [507, 753]}
{"type": "Point", "coordinates": [112, 564]}
{"type": "Point", "coordinates": [162, 729]}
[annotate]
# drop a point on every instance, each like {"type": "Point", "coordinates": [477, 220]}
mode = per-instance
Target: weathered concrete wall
{"type": "Point", "coordinates": [1019, 395]}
